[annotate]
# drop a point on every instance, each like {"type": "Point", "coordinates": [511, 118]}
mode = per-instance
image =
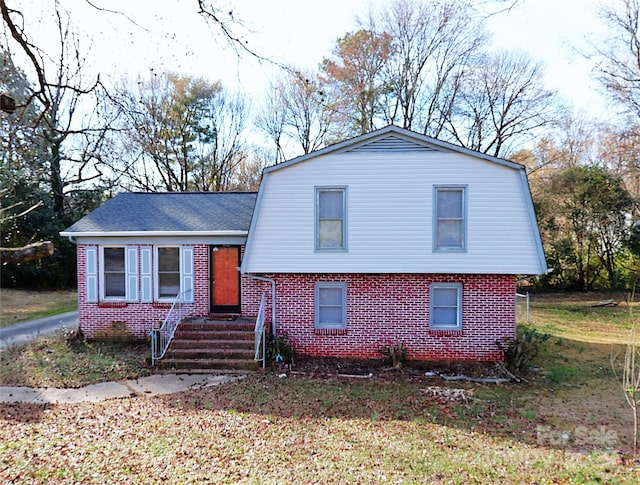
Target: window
{"type": "Point", "coordinates": [331, 305]}
{"type": "Point", "coordinates": [449, 219]}
{"type": "Point", "coordinates": [446, 306]}
{"type": "Point", "coordinates": [114, 273]}
{"type": "Point", "coordinates": [168, 273]}
{"type": "Point", "coordinates": [331, 219]}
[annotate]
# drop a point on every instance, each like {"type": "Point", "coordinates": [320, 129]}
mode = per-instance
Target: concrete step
{"type": "Point", "coordinates": [237, 372]}
{"type": "Point", "coordinates": [212, 343]}
{"type": "Point", "coordinates": [209, 353]}
{"type": "Point", "coordinates": [216, 326]}
{"type": "Point", "coordinates": [210, 364]}
{"type": "Point", "coordinates": [185, 334]}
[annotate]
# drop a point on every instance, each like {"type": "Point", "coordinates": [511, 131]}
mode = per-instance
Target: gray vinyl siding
{"type": "Point", "coordinates": [390, 211]}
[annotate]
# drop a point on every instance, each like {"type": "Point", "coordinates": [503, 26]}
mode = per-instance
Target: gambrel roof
{"type": "Point", "coordinates": [168, 213]}
{"type": "Point", "coordinates": [388, 177]}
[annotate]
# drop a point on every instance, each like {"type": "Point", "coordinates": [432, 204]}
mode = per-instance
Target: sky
{"type": "Point", "coordinates": [170, 35]}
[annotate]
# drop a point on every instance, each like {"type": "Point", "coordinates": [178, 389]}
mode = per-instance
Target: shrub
{"type": "Point", "coordinates": [396, 353]}
{"type": "Point", "coordinates": [520, 352]}
{"type": "Point", "coordinates": [279, 349]}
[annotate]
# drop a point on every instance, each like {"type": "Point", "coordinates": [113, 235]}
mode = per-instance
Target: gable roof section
{"type": "Point", "coordinates": [393, 138]}
{"type": "Point", "coordinates": [169, 213]}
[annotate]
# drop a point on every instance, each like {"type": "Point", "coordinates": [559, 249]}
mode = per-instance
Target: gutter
{"type": "Point", "coordinates": [532, 276]}
{"type": "Point", "coordinates": [273, 297]}
{"type": "Point", "coordinates": [150, 233]}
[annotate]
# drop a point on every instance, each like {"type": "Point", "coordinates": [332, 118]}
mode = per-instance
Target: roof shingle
{"type": "Point", "coordinates": [170, 212]}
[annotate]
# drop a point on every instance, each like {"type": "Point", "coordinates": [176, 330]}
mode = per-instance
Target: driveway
{"type": "Point", "coordinates": [21, 333]}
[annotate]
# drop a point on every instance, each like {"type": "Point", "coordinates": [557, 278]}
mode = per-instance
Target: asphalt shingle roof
{"type": "Point", "coordinates": [170, 211]}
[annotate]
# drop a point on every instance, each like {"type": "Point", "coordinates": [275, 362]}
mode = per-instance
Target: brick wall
{"type": "Point", "coordinates": [381, 310]}
{"type": "Point", "coordinates": [130, 320]}
{"type": "Point", "coordinates": [384, 309]}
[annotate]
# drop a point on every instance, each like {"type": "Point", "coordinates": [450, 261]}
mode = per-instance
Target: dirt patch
{"type": "Point", "coordinates": [329, 366]}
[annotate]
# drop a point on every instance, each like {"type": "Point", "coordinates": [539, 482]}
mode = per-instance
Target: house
{"type": "Point", "coordinates": [388, 237]}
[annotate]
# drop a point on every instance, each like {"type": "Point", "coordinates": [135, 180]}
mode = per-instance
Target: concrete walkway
{"type": "Point", "coordinates": [144, 386]}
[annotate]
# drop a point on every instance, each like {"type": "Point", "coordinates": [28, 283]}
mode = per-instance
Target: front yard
{"type": "Point", "coordinates": [21, 305]}
{"type": "Point", "coordinates": [569, 424]}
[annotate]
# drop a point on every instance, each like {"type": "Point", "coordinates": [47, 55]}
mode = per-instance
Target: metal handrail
{"type": "Point", "coordinates": [161, 337]}
{"type": "Point", "coordinates": [259, 333]}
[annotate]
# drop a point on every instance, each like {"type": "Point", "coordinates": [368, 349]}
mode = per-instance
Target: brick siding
{"type": "Point", "coordinates": [131, 320]}
{"type": "Point", "coordinates": [389, 308]}
{"type": "Point", "coordinates": [381, 310]}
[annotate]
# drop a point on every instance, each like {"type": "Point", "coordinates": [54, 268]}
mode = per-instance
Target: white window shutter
{"type": "Point", "coordinates": [187, 273]}
{"type": "Point", "coordinates": [91, 273]}
{"type": "Point", "coordinates": [132, 273]}
{"type": "Point", "coordinates": [146, 274]}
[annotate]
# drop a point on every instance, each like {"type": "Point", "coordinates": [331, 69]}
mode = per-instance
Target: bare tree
{"type": "Point", "coordinates": [248, 173]}
{"type": "Point", "coordinates": [67, 106]}
{"type": "Point", "coordinates": [618, 57]}
{"type": "Point", "coordinates": [433, 44]}
{"type": "Point", "coordinates": [619, 150]}
{"type": "Point", "coordinates": [629, 375]}
{"type": "Point", "coordinates": [502, 100]}
{"type": "Point", "coordinates": [271, 120]}
{"type": "Point", "coordinates": [297, 111]}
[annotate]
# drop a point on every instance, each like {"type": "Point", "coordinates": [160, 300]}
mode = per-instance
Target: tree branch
{"type": "Point", "coordinates": [26, 253]}
{"type": "Point", "coordinates": [28, 48]}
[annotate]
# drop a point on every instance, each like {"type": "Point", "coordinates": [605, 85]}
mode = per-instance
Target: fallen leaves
{"type": "Point", "coordinates": [269, 430]}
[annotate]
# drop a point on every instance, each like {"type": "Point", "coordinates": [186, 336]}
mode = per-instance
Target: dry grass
{"type": "Point", "coordinates": [294, 430]}
{"type": "Point", "coordinates": [577, 317]}
{"type": "Point", "coordinates": [569, 424]}
{"type": "Point", "coordinates": [21, 305]}
{"type": "Point", "coordinates": [57, 362]}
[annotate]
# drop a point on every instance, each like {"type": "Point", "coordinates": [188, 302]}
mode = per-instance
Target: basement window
{"type": "Point", "coordinates": [330, 305]}
{"type": "Point", "coordinates": [445, 301]}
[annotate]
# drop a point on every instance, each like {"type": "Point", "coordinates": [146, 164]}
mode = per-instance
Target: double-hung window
{"type": "Point", "coordinates": [445, 312]}
{"type": "Point", "coordinates": [168, 272]}
{"type": "Point", "coordinates": [114, 273]}
{"type": "Point", "coordinates": [331, 220]}
{"type": "Point", "coordinates": [450, 218]}
{"type": "Point", "coordinates": [331, 305]}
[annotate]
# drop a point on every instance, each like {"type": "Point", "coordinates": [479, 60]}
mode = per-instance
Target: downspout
{"type": "Point", "coordinates": [273, 297]}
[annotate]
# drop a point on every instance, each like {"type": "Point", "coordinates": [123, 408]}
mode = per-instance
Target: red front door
{"type": "Point", "coordinates": [225, 279]}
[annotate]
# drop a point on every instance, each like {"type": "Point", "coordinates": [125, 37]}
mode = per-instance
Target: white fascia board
{"type": "Point", "coordinates": [152, 233]}
{"type": "Point", "coordinates": [535, 230]}
{"type": "Point", "coordinates": [254, 220]}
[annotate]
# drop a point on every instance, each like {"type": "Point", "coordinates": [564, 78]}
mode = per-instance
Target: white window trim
{"type": "Point", "coordinates": [316, 205]}
{"type": "Point", "coordinates": [327, 284]}
{"type": "Point", "coordinates": [445, 249]}
{"type": "Point", "coordinates": [435, 286]}
{"type": "Point", "coordinates": [103, 285]}
{"type": "Point", "coordinates": [156, 275]}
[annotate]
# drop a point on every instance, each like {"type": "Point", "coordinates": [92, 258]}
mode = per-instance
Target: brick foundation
{"type": "Point", "coordinates": [389, 308]}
